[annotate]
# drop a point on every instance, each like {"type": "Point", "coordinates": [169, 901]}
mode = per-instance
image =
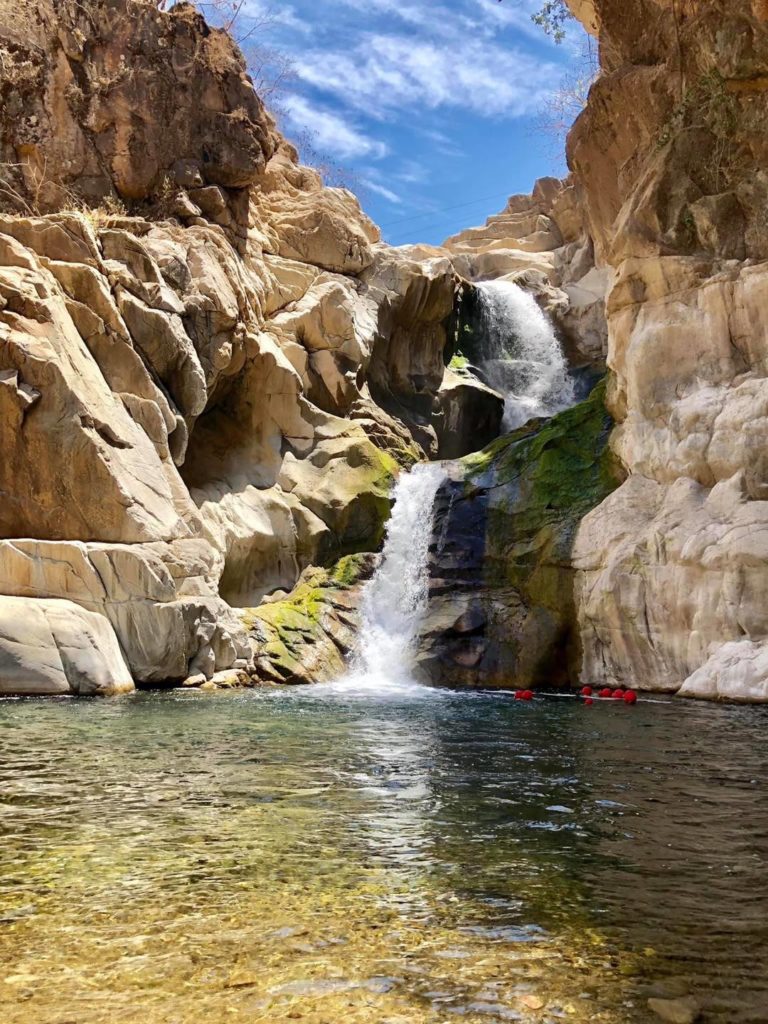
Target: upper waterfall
{"type": "Point", "coordinates": [519, 354]}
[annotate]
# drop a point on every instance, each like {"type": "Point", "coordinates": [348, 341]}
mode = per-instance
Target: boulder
{"type": "Point", "coordinates": [307, 635]}
{"type": "Point", "coordinates": [55, 647]}
{"type": "Point", "coordinates": [471, 414]}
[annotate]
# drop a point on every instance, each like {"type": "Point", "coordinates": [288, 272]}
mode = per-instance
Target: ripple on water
{"type": "Point", "coordinates": [338, 857]}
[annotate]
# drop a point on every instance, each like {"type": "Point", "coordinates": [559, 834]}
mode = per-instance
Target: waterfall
{"type": "Point", "coordinates": [395, 598]}
{"type": "Point", "coordinates": [519, 355]}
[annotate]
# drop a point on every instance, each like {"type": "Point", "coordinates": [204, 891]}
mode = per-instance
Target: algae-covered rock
{"type": "Point", "coordinates": [501, 607]}
{"type": "Point", "coordinates": [306, 636]}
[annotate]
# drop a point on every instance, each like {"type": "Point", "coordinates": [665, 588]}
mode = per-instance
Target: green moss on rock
{"type": "Point", "coordinates": [303, 636]}
{"type": "Point", "coordinates": [512, 521]}
{"type": "Point", "coordinates": [543, 481]}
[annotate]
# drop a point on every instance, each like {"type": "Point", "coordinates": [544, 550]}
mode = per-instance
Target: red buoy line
{"type": "Point", "coordinates": [589, 696]}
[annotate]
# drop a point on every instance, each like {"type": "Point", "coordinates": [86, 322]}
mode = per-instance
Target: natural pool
{"type": "Point", "coordinates": [420, 857]}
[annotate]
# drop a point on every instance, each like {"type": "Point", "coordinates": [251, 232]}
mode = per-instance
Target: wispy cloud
{"type": "Point", "coordinates": [331, 132]}
{"type": "Point", "coordinates": [420, 101]}
{"type": "Point", "coordinates": [411, 172]}
{"type": "Point", "coordinates": [492, 16]}
{"type": "Point", "coordinates": [382, 190]}
{"type": "Point", "coordinates": [385, 73]}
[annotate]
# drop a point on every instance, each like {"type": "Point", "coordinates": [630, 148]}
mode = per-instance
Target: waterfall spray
{"type": "Point", "coordinates": [519, 354]}
{"type": "Point", "coordinates": [395, 598]}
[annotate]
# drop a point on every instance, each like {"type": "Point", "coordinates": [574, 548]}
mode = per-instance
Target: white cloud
{"type": "Point", "coordinates": [412, 173]}
{"type": "Point", "coordinates": [331, 132]}
{"type": "Point", "coordinates": [384, 73]}
{"type": "Point", "coordinates": [493, 16]}
{"type": "Point", "coordinates": [257, 17]}
{"type": "Point", "coordinates": [408, 12]}
{"type": "Point", "coordinates": [382, 190]}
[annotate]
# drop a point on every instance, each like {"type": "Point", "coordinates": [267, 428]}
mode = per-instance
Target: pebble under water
{"type": "Point", "coordinates": [428, 857]}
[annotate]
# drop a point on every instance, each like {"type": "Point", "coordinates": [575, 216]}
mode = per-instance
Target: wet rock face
{"type": "Point", "coordinates": [470, 414]}
{"type": "Point", "coordinates": [501, 609]}
{"type": "Point", "coordinates": [308, 636]}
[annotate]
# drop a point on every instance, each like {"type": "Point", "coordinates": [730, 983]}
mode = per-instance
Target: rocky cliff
{"type": "Point", "coordinates": [670, 155]}
{"type": "Point", "coordinates": [651, 256]}
{"type": "Point", "coordinates": [210, 369]}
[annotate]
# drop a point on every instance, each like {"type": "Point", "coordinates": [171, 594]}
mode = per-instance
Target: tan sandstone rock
{"type": "Point", "coordinates": [56, 647]}
{"type": "Point", "coordinates": [210, 371]}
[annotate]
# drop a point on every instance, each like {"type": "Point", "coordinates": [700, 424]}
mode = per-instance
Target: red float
{"type": "Point", "coordinates": [527, 694]}
{"type": "Point", "coordinates": [606, 692]}
{"type": "Point", "coordinates": [630, 697]}
{"type": "Point", "coordinates": [586, 691]}
{"type": "Point", "coordinates": [618, 695]}
{"type": "Point", "coordinates": [589, 701]}
{"type": "Point", "coordinates": [519, 694]}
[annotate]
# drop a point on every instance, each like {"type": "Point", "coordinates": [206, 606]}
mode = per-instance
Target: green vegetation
{"type": "Point", "coordinates": [458, 362]}
{"type": "Point", "coordinates": [542, 480]}
{"type": "Point", "coordinates": [347, 571]}
{"type": "Point", "coordinates": [707, 105]}
{"type": "Point", "coordinates": [297, 632]}
{"type": "Point", "coordinates": [553, 17]}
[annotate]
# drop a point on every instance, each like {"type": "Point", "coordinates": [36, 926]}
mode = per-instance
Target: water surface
{"type": "Point", "coordinates": [333, 857]}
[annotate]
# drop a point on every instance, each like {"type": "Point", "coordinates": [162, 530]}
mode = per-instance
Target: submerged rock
{"type": "Point", "coordinates": [676, 1011]}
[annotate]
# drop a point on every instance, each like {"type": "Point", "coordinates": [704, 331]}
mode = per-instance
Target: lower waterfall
{"type": "Point", "coordinates": [519, 354]}
{"type": "Point", "coordinates": [395, 598]}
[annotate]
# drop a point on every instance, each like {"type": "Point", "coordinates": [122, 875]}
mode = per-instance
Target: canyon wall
{"type": "Point", "coordinates": [210, 368]}
{"type": "Point", "coordinates": [651, 258]}
{"type": "Point", "coordinates": [670, 155]}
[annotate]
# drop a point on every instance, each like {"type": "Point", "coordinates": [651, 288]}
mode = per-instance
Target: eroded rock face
{"type": "Point", "coordinates": [501, 609]}
{"type": "Point", "coordinates": [119, 99]}
{"type": "Point", "coordinates": [673, 566]}
{"type": "Point", "coordinates": [193, 362]}
{"type": "Point", "coordinates": [670, 151]}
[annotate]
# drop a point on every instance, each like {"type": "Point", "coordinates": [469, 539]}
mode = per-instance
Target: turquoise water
{"type": "Point", "coordinates": [312, 855]}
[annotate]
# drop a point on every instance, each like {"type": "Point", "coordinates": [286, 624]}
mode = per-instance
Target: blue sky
{"type": "Point", "coordinates": [430, 108]}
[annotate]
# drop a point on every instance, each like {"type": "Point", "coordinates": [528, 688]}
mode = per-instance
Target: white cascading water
{"type": "Point", "coordinates": [395, 598]}
{"type": "Point", "coordinates": [519, 354]}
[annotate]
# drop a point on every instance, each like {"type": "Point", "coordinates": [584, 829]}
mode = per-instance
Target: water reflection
{"type": "Point", "coordinates": [186, 857]}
